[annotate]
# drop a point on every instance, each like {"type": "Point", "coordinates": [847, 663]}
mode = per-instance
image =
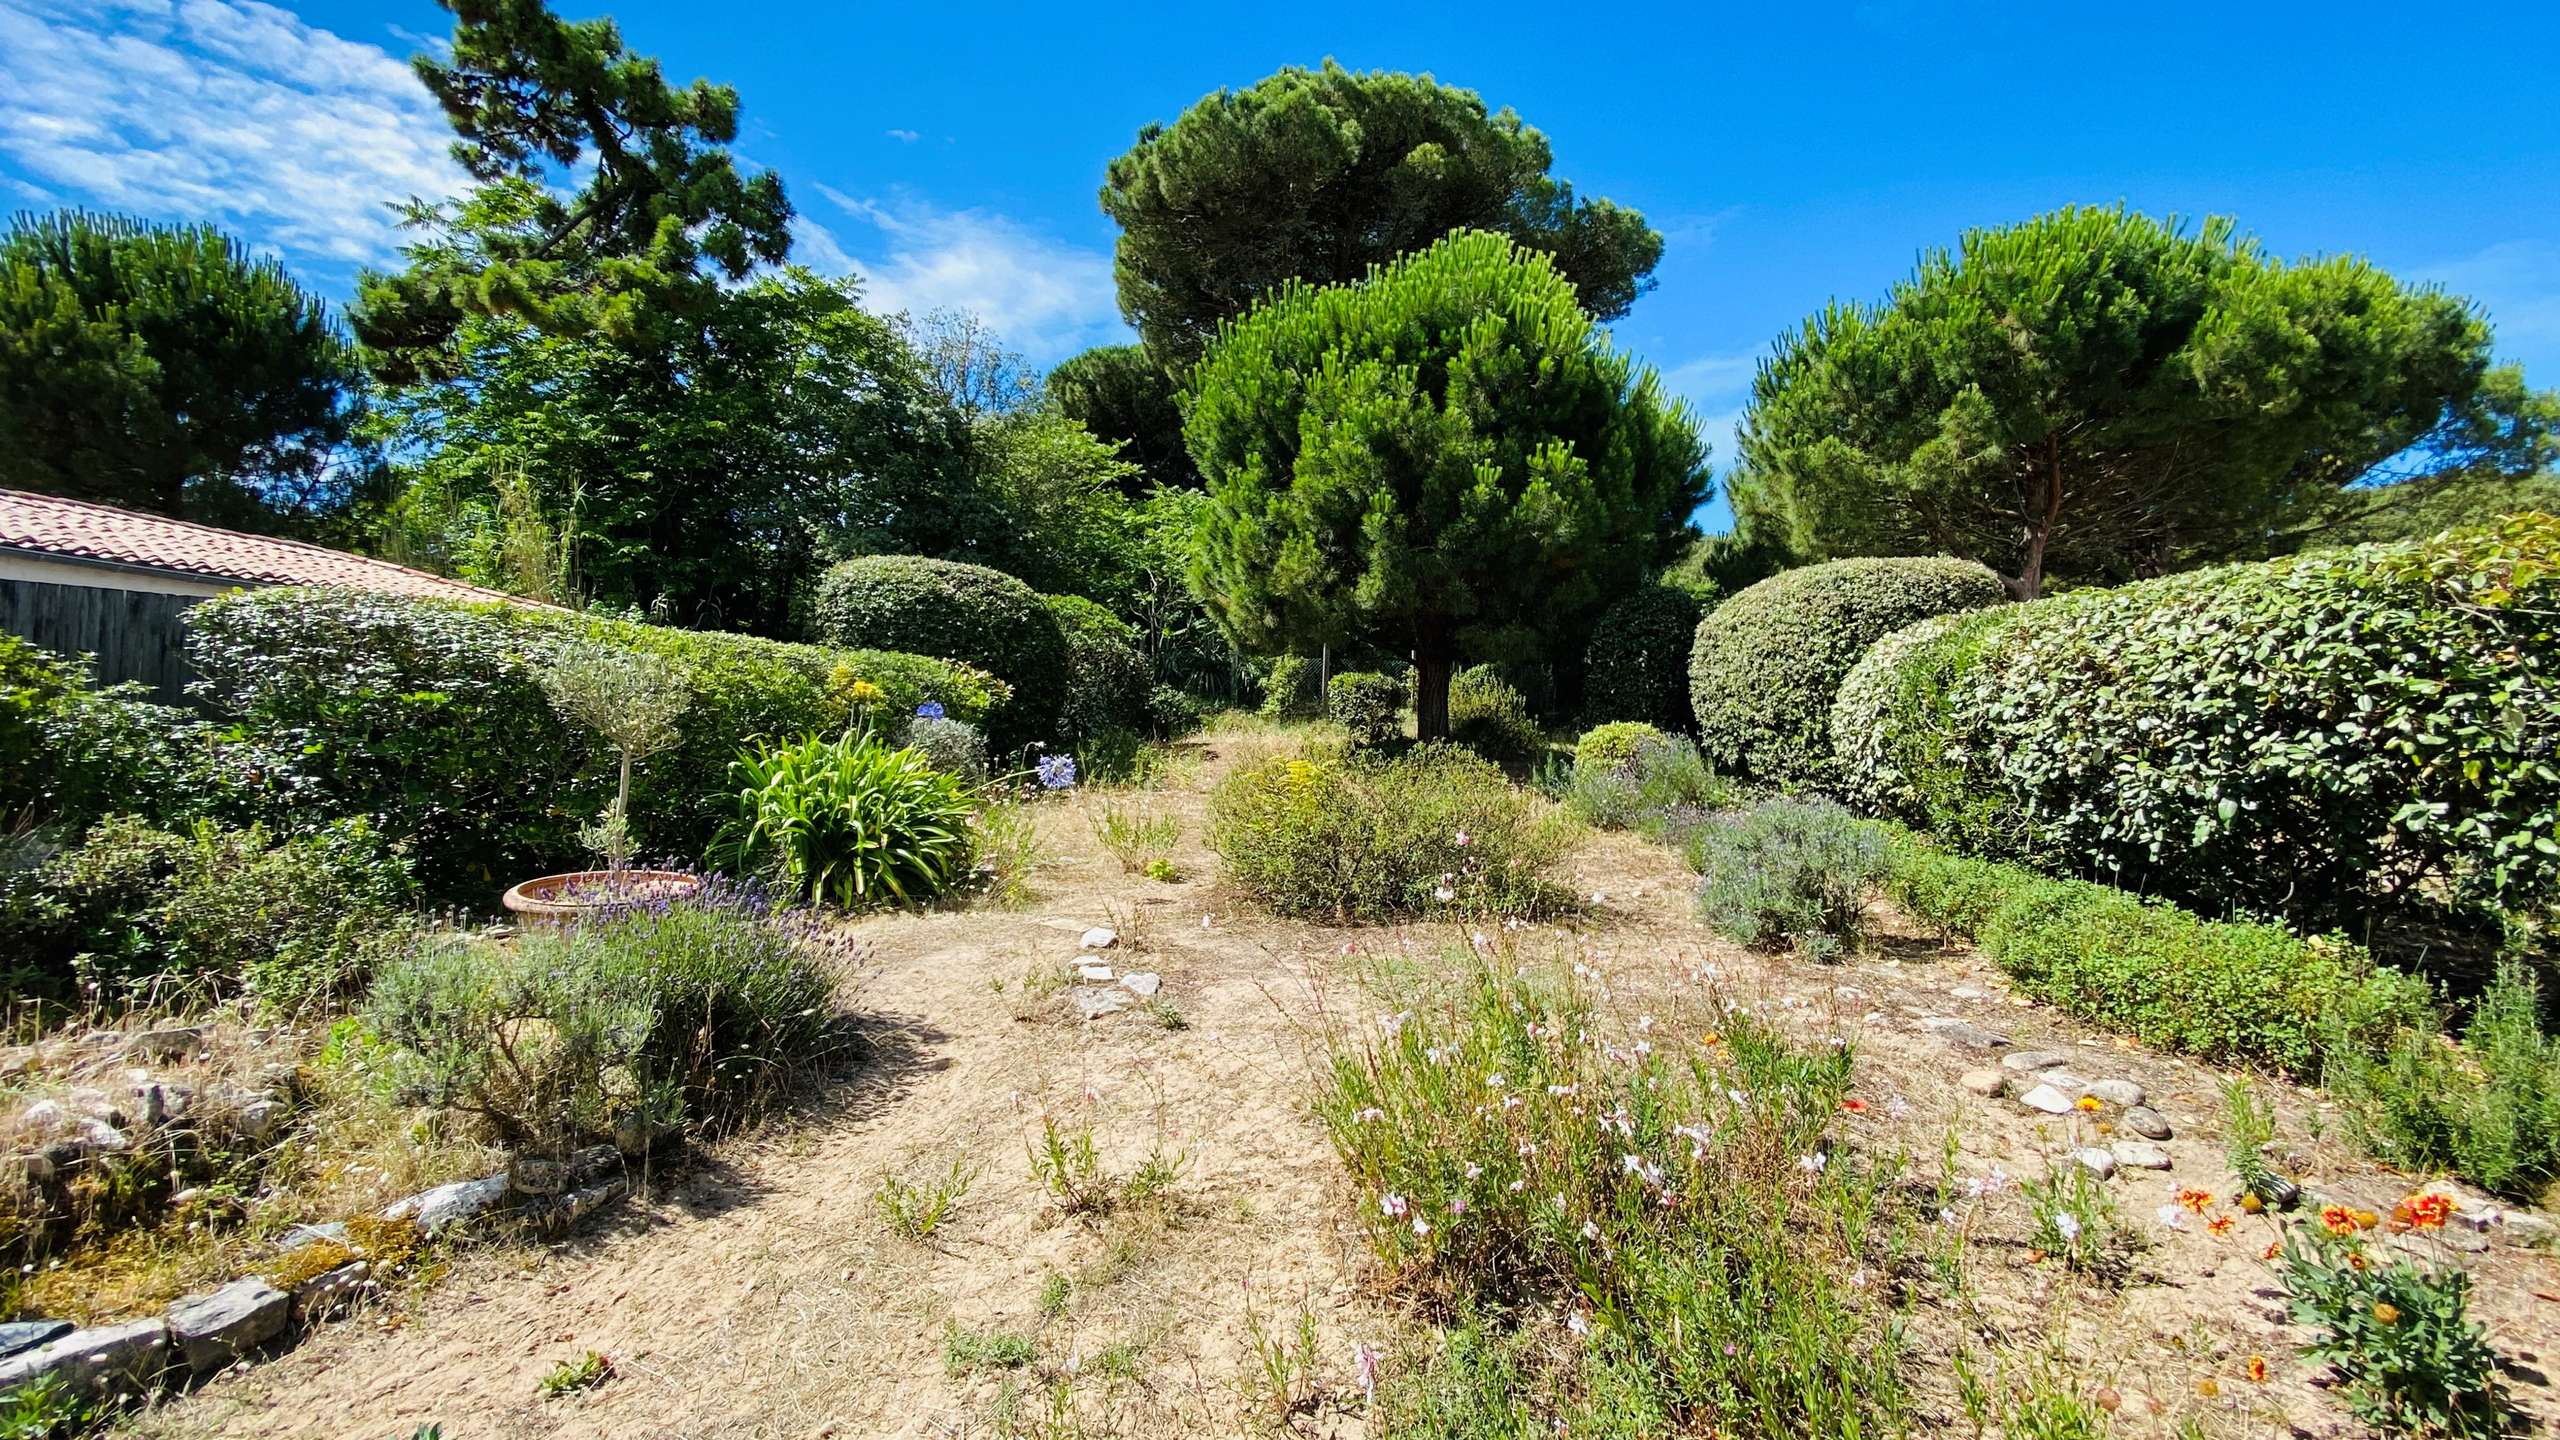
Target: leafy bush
{"type": "Point", "coordinates": [1487, 715]}
{"type": "Point", "coordinates": [429, 717]}
{"type": "Point", "coordinates": [1665, 790]}
{"type": "Point", "coordinates": [1173, 713]}
{"type": "Point", "coordinates": [1294, 689]}
{"type": "Point", "coordinates": [659, 1014]}
{"type": "Point", "coordinates": [2230, 992]}
{"type": "Point", "coordinates": [1435, 830]}
{"type": "Point", "coordinates": [2327, 737]}
{"type": "Point", "coordinates": [32, 683]}
{"type": "Point", "coordinates": [1612, 746]}
{"type": "Point", "coordinates": [1108, 680]}
{"type": "Point", "coordinates": [850, 820]}
{"type": "Point", "coordinates": [2399, 1336]}
{"type": "Point", "coordinates": [968, 613]}
{"type": "Point", "coordinates": [2487, 1110]}
{"type": "Point", "coordinates": [954, 747]}
{"type": "Point", "coordinates": [1768, 662]}
{"type": "Point", "coordinates": [1367, 704]}
{"type": "Point", "coordinates": [1513, 1152]}
{"type": "Point", "coordinates": [1637, 665]}
{"type": "Point", "coordinates": [1787, 872]}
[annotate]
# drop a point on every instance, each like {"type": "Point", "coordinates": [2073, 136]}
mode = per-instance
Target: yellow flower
{"type": "Point", "coordinates": [2087, 1102]}
{"type": "Point", "coordinates": [2386, 1312]}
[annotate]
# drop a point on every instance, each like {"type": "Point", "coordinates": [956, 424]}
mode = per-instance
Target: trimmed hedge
{"type": "Point", "coordinates": [1108, 678]}
{"type": "Point", "coordinates": [1367, 704]}
{"type": "Point", "coordinates": [2230, 993]}
{"type": "Point", "coordinates": [2325, 737]}
{"type": "Point", "coordinates": [427, 716]}
{"type": "Point", "coordinates": [967, 613]}
{"type": "Point", "coordinates": [1613, 746]}
{"type": "Point", "coordinates": [1768, 661]}
{"type": "Point", "coordinates": [1637, 665]}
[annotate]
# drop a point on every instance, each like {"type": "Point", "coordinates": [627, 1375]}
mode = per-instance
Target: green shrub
{"type": "Point", "coordinates": [1612, 746]}
{"type": "Point", "coordinates": [2487, 1110]}
{"type": "Point", "coordinates": [2400, 1337]}
{"type": "Point", "coordinates": [1768, 662]}
{"type": "Point", "coordinates": [1487, 715]}
{"type": "Point", "coordinates": [657, 1015]}
{"type": "Point", "coordinates": [1637, 665]}
{"type": "Point", "coordinates": [1108, 680]}
{"type": "Point", "coordinates": [954, 747]}
{"type": "Point", "coordinates": [1173, 713]}
{"type": "Point", "coordinates": [429, 717]}
{"type": "Point", "coordinates": [2337, 738]}
{"type": "Point", "coordinates": [1664, 790]}
{"type": "Point", "coordinates": [1368, 705]}
{"type": "Point", "coordinates": [1433, 831]}
{"type": "Point", "coordinates": [2231, 993]}
{"type": "Point", "coordinates": [1294, 689]}
{"type": "Point", "coordinates": [32, 683]}
{"type": "Point", "coordinates": [967, 613]}
{"type": "Point", "coordinates": [1787, 872]}
{"type": "Point", "coordinates": [850, 821]}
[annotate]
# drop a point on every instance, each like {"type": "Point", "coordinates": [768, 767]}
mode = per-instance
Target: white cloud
{"type": "Point", "coordinates": [1045, 297]}
{"type": "Point", "coordinates": [2517, 282]}
{"type": "Point", "coordinates": [909, 136]}
{"type": "Point", "coordinates": [1712, 377]}
{"type": "Point", "coordinates": [225, 110]}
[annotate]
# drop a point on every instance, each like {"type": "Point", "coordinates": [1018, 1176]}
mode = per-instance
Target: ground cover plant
{"type": "Point", "coordinates": [2487, 1109]}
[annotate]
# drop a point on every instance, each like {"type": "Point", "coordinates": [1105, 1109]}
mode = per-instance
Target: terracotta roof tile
{"type": "Point", "coordinates": [78, 530]}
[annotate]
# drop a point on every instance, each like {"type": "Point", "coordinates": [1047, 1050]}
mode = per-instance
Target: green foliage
{"type": "Point", "coordinates": [44, 1408]}
{"type": "Point", "coordinates": [1484, 1186]}
{"type": "Point", "coordinates": [1664, 789]}
{"type": "Point", "coordinates": [1108, 681]}
{"type": "Point", "coordinates": [1381, 470]}
{"type": "Point", "coordinates": [1368, 705]}
{"type": "Point", "coordinates": [429, 717]}
{"type": "Point", "coordinates": [1137, 837]}
{"type": "Point", "coordinates": [2422, 508]}
{"type": "Point", "coordinates": [661, 218]}
{"type": "Point", "coordinates": [968, 1351]}
{"type": "Point", "coordinates": [968, 613]}
{"type": "Point", "coordinates": [851, 821]}
{"type": "Point", "coordinates": [694, 1011]}
{"type": "Point", "coordinates": [2094, 394]}
{"type": "Point", "coordinates": [1488, 716]}
{"type": "Point", "coordinates": [1637, 665]}
{"type": "Point", "coordinates": [1433, 831]}
{"type": "Point", "coordinates": [1125, 398]}
{"type": "Point", "coordinates": [571, 1376]}
{"type": "Point", "coordinates": [2400, 1337]}
{"type": "Point", "coordinates": [2230, 992]}
{"type": "Point", "coordinates": [633, 699]}
{"type": "Point", "coordinates": [2331, 737]}
{"type": "Point", "coordinates": [33, 683]}
{"type": "Point", "coordinates": [163, 368]}
{"type": "Point", "coordinates": [1320, 175]}
{"type": "Point", "coordinates": [2487, 1110]}
{"type": "Point", "coordinates": [954, 747]}
{"type": "Point", "coordinates": [1058, 513]}
{"type": "Point", "coordinates": [1069, 1166]}
{"type": "Point", "coordinates": [1172, 714]}
{"type": "Point", "coordinates": [915, 1209]}
{"type": "Point", "coordinates": [1787, 872]}
{"type": "Point", "coordinates": [1294, 689]}
{"type": "Point", "coordinates": [1613, 746]}
{"type": "Point", "coordinates": [1767, 663]}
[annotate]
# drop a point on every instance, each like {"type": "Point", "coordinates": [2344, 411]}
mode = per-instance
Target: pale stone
{"type": "Point", "coordinates": [213, 1330]}
{"type": "Point", "coordinates": [98, 1362]}
{"type": "Point", "coordinates": [1095, 971]}
{"type": "Point", "coordinates": [2101, 1163]}
{"type": "Point", "coordinates": [448, 1205]}
{"type": "Point", "coordinates": [2046, 1099]}
{"type": "Point", "coordinates": [2023, 1060]}
{"type": "Point", "coordinates": [1100, 937]}
{"type": "Point", "coordinates": [1986, 1083]}
{"type": "Point", "coordinates": [2141, 1155]}
{"type": "Point", "coordinates": [1143, 984]}
{"type": "Point", "coordinates": [2117, 1092]}
{"type": "Point", "coordinates": [2147, 1122]}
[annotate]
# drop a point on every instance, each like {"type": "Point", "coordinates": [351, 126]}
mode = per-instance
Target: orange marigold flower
{"type": "Point", "coordinates": [2338, 1220]}
{"type": "Point", "coordinates": [2366, 1219]}
{"type": "Point", "coordinates": [2273, 1250]}
{"type": "Point", "coordinates": [1854, 1105]}
{"type": "Point", "coordinates": [2257, 1369]}
{"type": "Point", "coordinates": [2251, 1204]}
{"type": "Point", "coordinates": [2386, 1312]}
{"type": "Point", "coordinates": [2208, 1387]}
{"type": "Point", "coordinates": [2195, 1200]}
{"type": "Point", "coordinates": [2356, 1260]}
{"type": "Point", "coordinates": [2425, 1212]}
{"type": "Point", "coordinates": [2220, 1225]}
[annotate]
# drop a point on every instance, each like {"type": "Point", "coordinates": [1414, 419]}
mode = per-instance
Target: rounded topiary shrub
{"type": "Point", "coordinates": [959, 612]}
{"type": "Point", "coordinates": [2331, 737]}
{"type": "Point", "coordinates": [1294, 689]}
{"type": "Point", "coordinates": [1613, 746]}
{"type": "Point", "coordinates": [1367, 704]}
{"type": "Point", "coordinates": [1637, 665]}
{"type": "Point", "coordinates": [1108, 678]}
{"type": "Point", "coordinates": [1490, 716]}
{"type": "Point", "coordinates": [1767, 663]}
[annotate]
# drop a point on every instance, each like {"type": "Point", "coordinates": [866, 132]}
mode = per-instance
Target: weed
{"type": "Point", "coordinates": [1069, 1166]}
{"type": "Point", "coordinates": [1009, 848]}
{"type": "Point", "coordinates": [915, 1210]}
{"type": "Point", "coordinates": [1283, 1378]}
{"type": "Point", "coordinates": [1136, 836]}
{"type": "Point", "coordinates": [1161, 869]}
{"type": "Point", "coordinates": [43, 1408]}
{"type": "Point", "coordinates": [1054, 1292]}
{"type": "Point", "coordinates": [2075, 1219]}
{"type": "Point", "coordinates": [2248, 1126]}
{"type": "Point", "coordinates": [966, 1352]}
{"type": "Point", "coordinates": [1164, 1014]}
{"type": "Point", "coordinates": [2487, 1109]}
{"type": "Point", "coordinates": [2400, 1337]}
{"type": "Point", "coordinates": [571, 1376]}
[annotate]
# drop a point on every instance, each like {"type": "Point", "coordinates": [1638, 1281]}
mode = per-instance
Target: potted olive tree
{"type": "Point", "coordinates": [633, 699]}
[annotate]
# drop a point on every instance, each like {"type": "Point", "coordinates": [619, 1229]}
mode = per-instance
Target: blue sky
{"type": "Point", "coordinates": [1789, 154]}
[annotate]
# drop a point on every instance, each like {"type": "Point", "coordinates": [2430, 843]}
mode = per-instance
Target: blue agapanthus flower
{"type": "Point", "coordinates": [929, 710]}
{"type": "Point", "coordinates": [1056, 772]}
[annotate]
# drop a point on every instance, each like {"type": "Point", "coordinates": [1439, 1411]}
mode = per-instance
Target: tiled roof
{"type": "Point", "coordinates": [78, 530]}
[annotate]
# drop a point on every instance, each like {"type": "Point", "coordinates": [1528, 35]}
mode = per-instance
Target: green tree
{"type": "Point", "coordinates": [1317, 175]}
{"type": "Point", "coordinates": [640, 249]}
{"type": "Point", "coordinates": [2099, 395]}
{"type": "Point", "coordinates": [163, 368]}
{"type": "Point", "coordinates": [1447, 456]}
{"type": "Point", "coordinates": [1123, 396]}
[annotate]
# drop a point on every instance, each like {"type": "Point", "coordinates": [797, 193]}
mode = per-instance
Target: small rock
{"type": "Point", "coordinates": [2523, 1227]}
{"type": "Point", "coordinates": [1100, 937]}
{"type": "Point", "coordinates": [2046, 1099]}
{"type": "Point", "coordinates": [537, 1175]}
{"type": "Point", "coordinates": [452, 1204]}
{"type": "Point", "coordinates": [258, 1119]}
{"type": "Point", "coordinates": [1964, 1032]}
{"type": "Point", "coordinates": [594, 1163]}
{"type": "Point", "coordinates": [2101, 1163]}
{"type": "Point", "coordinates": [558, 1215]}
{"type": "Point", "coordinates": [1094, 971]}
{"type": "Point", "coordinates": [36, 1165]}
{"type": "Point", "coordinates": [1143, 984]}
{"type": "Point", "coordinates": [213, 1330]}
{"type": "Point", "coordinates": [2140, 1155]}
{"type": "Point", "coordinates": [1092, 1002]}
{"type": "Point", "coordinates": [1986, 1083]}
{"type": "Point", "coordinates": [105, 1360]}
{"type": "Point", "coordinates": [333, 1232]}
{"type": "Point", "coordinates": [2025, 1060]}
{"type": "Point", "coordinates": [20, 1335]}
{"type": "Point", "coordinates": [2122, 1093]}
{"type": "Point", "coordinates": [1970, 992]}
{"type": "Point", "coordinates": [636, 1135]}
{"type": "Point", "coordinates": [2149, 1123]}
{"type": "Point", "coordinates": [101, 1138]}
{"type": "Point", "coordinates": [331, 1293]}
{"type": "Point", "coordinates": [169, 1044]}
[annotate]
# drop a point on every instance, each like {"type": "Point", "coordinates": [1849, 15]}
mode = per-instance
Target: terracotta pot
{"type": "Point", "coordinates": [558, 902]}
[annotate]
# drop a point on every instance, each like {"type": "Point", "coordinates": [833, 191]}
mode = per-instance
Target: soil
{"type": "Point", "coordinates": [759, 1293]}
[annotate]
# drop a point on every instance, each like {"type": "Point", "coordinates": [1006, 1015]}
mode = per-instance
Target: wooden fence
{"type": "Point", "coordinates": [135, 634]}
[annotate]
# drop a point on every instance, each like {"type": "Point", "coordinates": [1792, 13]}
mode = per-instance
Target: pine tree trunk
{"type": "Point", "coordinates": [1434, 654]}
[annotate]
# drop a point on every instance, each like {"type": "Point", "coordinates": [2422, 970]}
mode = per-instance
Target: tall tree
{"type": "Point", "coordinates": [2098, 395]}
{"type": "Point", "coordinates": [1446, 456]}
{"type": "Point", "coordinates": [1123, 396]}
{"type": "Point", "coordinates": [163, 368]}
{"type": "Point", "coordinates": [641, 247]}
{"type": "Point", "coordinates": [1317, 175]}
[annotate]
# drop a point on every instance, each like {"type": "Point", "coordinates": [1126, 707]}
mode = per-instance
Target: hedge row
{"type": "Point", "coordinates": [427, 716]}
{"type": "Point", "coordinates": [961, 612]}
{"type": "Point", "coordinates": [2230, 993]}
{"type": "Point", "coordinates": [1637, 665]}
{"type": "Point", "coordinates": [2323, 737]}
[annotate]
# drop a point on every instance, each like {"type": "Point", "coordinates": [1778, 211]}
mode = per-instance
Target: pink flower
{"type": "Point", "coordinates": [1458, 1206]}
{"type": "Point", "coordinates": [1421, 1227]}
{"type": "Point", "coordinates": [1393, 1204]}
{"type": "Point", "coordinates": [1364, 1357]}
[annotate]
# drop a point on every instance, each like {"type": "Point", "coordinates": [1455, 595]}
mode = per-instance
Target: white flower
{"type": "Point", "coordinates": [1813, 1164]}
{"type": "Point", "coordinates": [2172, 1217]}
{"type": "Point", "coordinates": [1493, 1081]}
{"type": "Point", "coordinates": [2067, 1226]}
{"type": "Point", "coordinates": [1393, 1204]}
{"type": "Point", "coordinates": [1421, 1227]}
{"type": "Point", "coordinates": [1443, 894]}
{"type": "Point", "coordinates": [1370, 1116]}
{"type": "Point", "coordinates": [1575, 1323]}
{"type": "Point", "coordinates": [1590, 1231]}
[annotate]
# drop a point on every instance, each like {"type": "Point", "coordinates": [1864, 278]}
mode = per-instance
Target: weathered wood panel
{"type": "Point", "coordinates": [135, 634]}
